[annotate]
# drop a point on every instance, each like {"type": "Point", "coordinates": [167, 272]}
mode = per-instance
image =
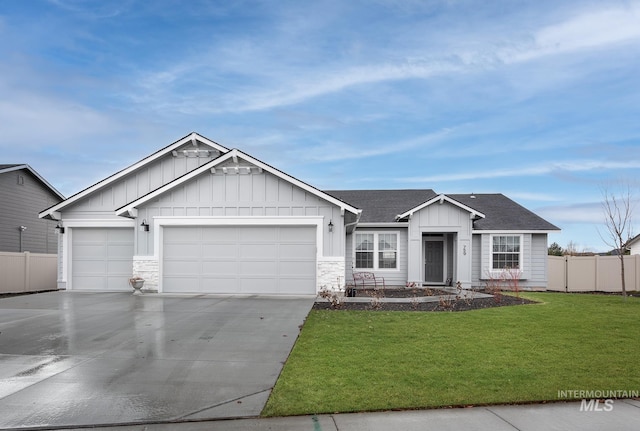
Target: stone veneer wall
{"type": "Point", "coordinates": [148, 268]}
{"type": "Point", "coordinates": [330, 272]}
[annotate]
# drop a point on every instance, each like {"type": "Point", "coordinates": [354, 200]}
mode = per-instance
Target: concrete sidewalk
{"type": "Point", "coordinates": [625, 415]}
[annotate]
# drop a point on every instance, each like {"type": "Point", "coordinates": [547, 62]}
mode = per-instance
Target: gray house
{"type": "Point", "coordinates": [196, 217]}
{"type": "Point", "coordinates": [23, 194]}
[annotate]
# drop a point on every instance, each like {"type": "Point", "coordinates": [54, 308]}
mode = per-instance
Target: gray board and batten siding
{"type": "Point", "coordinates": [242, 195]}
{"type": "Point", "coordinates": [104, 202]}
{"type": "Point", "coordinates": [23, 195]}
{"type": "Point", "coordinates": [205, 221]}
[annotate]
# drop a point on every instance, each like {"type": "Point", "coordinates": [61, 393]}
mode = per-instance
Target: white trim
{"type": "Point", "coordinates": [521, 268]}
{"type": "Point", "coordinates": [233, 154]}
{"type": "Point", "coordinates": [373, 225]}
{"type": "Point", "coordinates": [375, 250]}
{"type": "Point", "coordinates": [67, 249]}
{"type": "Point", "coordinates": [71, 223]}
{"type": "Point", "coordinates": [445, 261]}
{"type": "Point", "coordinates": [512, 232]}
{"type": "Point", "coordinates": [164, 221]}
{"type": "Point", "coordinates": [441, 198]}
{"type": "Point", "coordinates": [132, 168]}
{"type": "Point", "coordinates": [160, 222]}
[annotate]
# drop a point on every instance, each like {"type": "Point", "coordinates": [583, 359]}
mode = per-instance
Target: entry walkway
{"type": "Point", "coordinates": [452, 295]}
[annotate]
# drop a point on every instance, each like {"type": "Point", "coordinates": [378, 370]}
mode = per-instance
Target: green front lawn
{"type": "Point", "coordinates": [347, 361]}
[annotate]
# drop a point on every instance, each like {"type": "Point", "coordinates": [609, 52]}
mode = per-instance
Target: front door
{"type": "Point", "coordinates": [434, 261]}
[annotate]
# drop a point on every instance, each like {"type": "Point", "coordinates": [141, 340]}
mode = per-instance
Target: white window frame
{"type": "Point", "coordinates": [376, 250]}
{"type": "Point", "coordinates": [520, 252]}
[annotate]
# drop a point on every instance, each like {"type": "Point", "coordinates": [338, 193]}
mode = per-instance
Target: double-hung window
{"type": "Point", "coordinates": [376, 250]}
{"type": "Point", "coordinates": [506, 252]}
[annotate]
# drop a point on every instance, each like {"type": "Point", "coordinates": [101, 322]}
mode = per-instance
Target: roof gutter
{"type": "Point", "coordinates": [355, 223]}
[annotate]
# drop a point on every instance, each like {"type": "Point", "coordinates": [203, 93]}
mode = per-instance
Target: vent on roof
{"type": "Point", "coordinates": [472, 196]}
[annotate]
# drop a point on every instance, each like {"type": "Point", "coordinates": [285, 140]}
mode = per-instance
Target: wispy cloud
{"type": "Point", "coordinates": [267, 86]}
{"type": "Point", "coordinates": [587, 212]}
{"type": "Point", "coordinates": [593, 29]}
{"type": "Point", "coordinates": [105, 9]}
{"type": "Point", "coordinates": [531, 196]}
{"type": "Point", "coordinates": [334, 151]}
{"type": "Point", "coordinates": [528, 171]}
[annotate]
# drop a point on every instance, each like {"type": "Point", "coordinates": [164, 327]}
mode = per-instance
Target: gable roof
{"type": "Point", "coordinates": [17, 167]}
{"type": "Point", "coordinates": [502, 213]}
{"type": "Point", "coordinates": [192, 137]}
{"type": "Point", "coordinates": [130, 209]}
{"type": "Point", "coordinates": [441, 198]}
{"type": "Point", "coordinates": [495, 211]}
{"type": "Point", "coordinates": [382, 206]}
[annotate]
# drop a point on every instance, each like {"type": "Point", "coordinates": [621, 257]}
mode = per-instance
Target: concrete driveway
{"type": "Point", "coordinates": [79, 358]}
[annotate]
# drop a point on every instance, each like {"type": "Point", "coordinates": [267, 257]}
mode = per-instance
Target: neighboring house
{"type": "Point", "coordinates": [196, 217]}
{"type": "Point", "coordinates": [23, 194]}
{"type": "Point", "coordinates": [633, 245]}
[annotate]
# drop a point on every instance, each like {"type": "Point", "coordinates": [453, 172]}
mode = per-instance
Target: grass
{"type": "Point", "coordinates": [366, 360]}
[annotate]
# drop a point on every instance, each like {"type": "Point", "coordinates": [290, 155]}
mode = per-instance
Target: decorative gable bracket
{"type": "Point", "coordinates": [236, 170]}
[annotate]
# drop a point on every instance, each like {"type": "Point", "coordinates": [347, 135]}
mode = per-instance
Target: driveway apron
{"type": "Point", "coordinates": [80, 358]}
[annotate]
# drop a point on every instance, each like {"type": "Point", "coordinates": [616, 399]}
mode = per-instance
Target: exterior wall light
{"type": "Point", "coordinates": [330, 226]}
{"type": "Point", "coordinates": [144, 226]}
{"type": "Point", "coordinates": [59, 229]}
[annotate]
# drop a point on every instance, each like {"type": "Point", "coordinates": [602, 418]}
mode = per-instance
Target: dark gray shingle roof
{"type": "Point", "coordinates": [502, 213]}
{"type": "Point", "coordinates": [382, 206]}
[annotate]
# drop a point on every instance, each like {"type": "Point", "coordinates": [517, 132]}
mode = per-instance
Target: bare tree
{"type": "Point", "coordinates": [571, 249]}
{"type": "Point", "coordinates": [618, 210]}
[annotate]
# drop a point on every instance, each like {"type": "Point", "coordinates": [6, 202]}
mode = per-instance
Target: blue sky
{"type": "Point", "coordinates": [539, 100]}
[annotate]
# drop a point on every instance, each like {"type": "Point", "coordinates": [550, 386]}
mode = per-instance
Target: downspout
{"type": "Point", "coordinates": [346, 226]}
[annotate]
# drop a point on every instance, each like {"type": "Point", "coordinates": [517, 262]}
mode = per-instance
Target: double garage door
{"type": "Point", "coordinates": [239, 259]}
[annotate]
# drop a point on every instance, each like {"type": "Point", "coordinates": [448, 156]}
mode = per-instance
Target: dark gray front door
{"type": "Point", "coordinates": [433, 261]}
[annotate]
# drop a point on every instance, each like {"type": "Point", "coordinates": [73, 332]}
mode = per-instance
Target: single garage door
{"type": "Point", "coordinates": [239, 259]}
{"type": "Point", "coordinates": [102, 258]}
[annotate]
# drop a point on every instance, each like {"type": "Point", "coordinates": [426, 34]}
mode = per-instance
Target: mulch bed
{"type": "Point", "coordinates": [441, 305]}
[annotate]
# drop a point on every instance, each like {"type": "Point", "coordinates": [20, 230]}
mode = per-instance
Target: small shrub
{"type": "Point", "coordinates": [511, 277]}
{"type": "Point", "coordinates": [493, 286]}
{"type": "Point", "coordinates": [376, 299]}
{"type": "Point", "coordinates": [415, 303]}
{"type": "Point", "coordinates": [335, 299]}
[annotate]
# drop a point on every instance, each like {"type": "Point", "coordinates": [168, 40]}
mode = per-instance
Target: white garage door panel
{"type": "Point", "coordinates": [252, 251]}
{"type": "Point", "coordinates": [257, 269]}
{"type": "Point", "coordinates": [239, 259]}
{"type": "Point", "coordinates": [102, 258]}
{"type": "Point", "coordinates": [296, 269]}
{"type": "Point", "coordinates": [214, 269]}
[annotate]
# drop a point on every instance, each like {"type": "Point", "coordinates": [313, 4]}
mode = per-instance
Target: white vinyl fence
{"type": "Point", "coordinates": [27, 272]}
{"type": "Point", "coordinates": [593, 273]}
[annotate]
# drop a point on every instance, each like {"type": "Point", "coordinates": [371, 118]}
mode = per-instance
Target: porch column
{"type": "Point", "coordinates": [463, 259]}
